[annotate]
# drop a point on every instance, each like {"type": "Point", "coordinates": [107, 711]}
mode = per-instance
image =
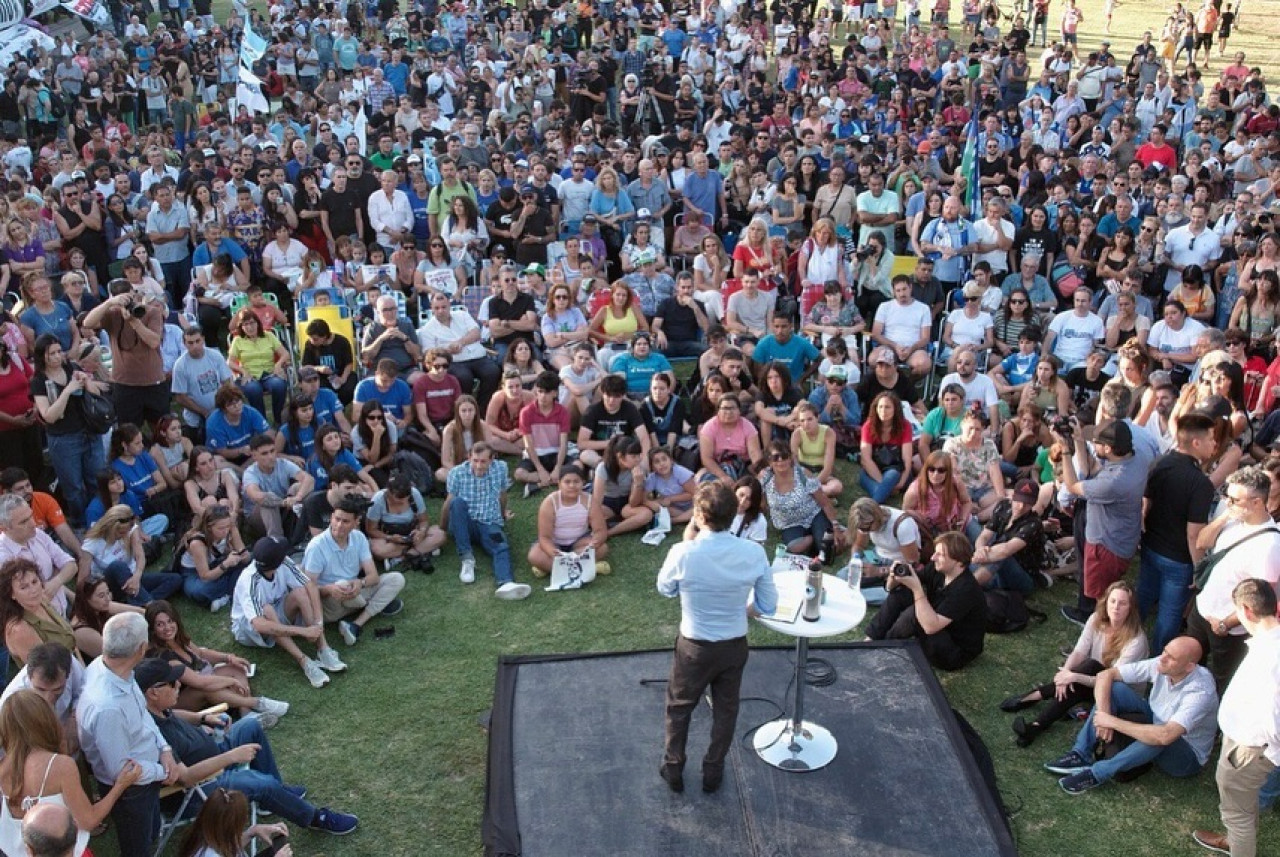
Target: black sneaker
{"type": "Point", "coordinates": [396, 606]}
{"type": "Point", "coordinates": [673, 777]}
{"type": "Point", "coordinates": [1079, 783]}
{"type": "Point", "coordinates": [332, 821]}
{"type": "Point", "coordinates": [1074, 615]}
{"type": "Point", "coordinates": [1072, 763]}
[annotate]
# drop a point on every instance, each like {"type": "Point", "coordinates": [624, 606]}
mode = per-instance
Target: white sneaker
{"type": "Point", "coordinates": [513, 591]}
{"type": "Point", "coordinates": [218, 603]}
{"type": "Point", "coordinates": [314, 673]}
{"type": "Point", "coordinates": [267, 720]}
{"type": "Point", "coordinates": [266, 705]}
{"type": "Point", "coordinates": [329, 660]}
{"type": "Point", "coordinates": [468, 573]}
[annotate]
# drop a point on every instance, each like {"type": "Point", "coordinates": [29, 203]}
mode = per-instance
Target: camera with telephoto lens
{"type": "Point", "coordinates": [1062, 425]}
{"type": "Point", "coordinates": [901, 569]}
{"type": "Point", "coordinates": [865, 252]}
{"type": "Point", "coordinates": [648, 74]}
{"type": "Point", "coordinates": [137, 306]}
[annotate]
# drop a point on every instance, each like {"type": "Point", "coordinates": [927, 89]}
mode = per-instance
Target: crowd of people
{"type": "Point", "coordinates": [1026, 295]}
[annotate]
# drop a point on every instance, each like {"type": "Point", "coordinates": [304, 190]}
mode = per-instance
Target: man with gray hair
{"type": "Point", "coordinates": [1210, 349]}
{"type": "Point", "coordinates": [116, 731]}
{"type": "Point", "coordinates": [391, 337]}
{"type": "Point", "coordinates": [48, 830]}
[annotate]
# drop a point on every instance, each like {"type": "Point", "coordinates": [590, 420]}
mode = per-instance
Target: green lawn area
{"type": "Point", "coordinates": [397, 740]}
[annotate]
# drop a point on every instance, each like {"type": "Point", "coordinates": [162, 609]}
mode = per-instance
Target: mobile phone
{"type": "Point", "coordinates": [384, 633]}
{"type": "Point", "coordinates": [251, 671]}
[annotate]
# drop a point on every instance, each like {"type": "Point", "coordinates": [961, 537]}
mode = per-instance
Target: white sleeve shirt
{"type": "Point", "coordinates": [385, 214]}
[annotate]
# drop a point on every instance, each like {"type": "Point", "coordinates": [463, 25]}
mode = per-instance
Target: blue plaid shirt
{"type": "Point", "coordinates": [481, 493]}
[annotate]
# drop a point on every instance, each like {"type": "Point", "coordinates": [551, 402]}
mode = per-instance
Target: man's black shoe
{"type": "Point", "coordinates": [711, 781]}
{"type": "Point", "coordinates": [672, 777]}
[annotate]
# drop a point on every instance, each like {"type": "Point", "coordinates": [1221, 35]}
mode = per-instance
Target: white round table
{"type": "Point", "coordinates": [795, 744]}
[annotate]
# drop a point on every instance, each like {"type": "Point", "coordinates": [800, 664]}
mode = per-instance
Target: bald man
{"type": "Point", "coordinates": [48, 830]}
{"type": "Point", "coordinates": [1174, 728]}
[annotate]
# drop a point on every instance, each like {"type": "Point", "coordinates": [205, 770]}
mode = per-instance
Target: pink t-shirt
{"type": "Point", "coordinates": [728, 441]}
{"type": "Point", "coordinates": [544, 429]}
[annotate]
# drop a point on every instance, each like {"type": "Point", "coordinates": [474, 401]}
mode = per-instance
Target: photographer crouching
{"type": "Point", "coordinates": [135, 328]}
{"type": "Point", "coordinates": [941, 605]}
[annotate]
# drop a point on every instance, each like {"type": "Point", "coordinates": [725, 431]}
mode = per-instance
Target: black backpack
{"type": "Point", "coordinates": [1008, 613]}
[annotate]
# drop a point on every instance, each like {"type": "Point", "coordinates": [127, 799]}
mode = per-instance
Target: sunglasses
{"type": "Point", "coordinates": [938, 470]}
{"type": "Point", "coordinates": [440, 366]}
{"type": "Point", "coordinates": [779, 457]}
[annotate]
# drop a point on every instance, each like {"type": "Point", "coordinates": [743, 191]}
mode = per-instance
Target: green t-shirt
{"type": "Point", "coordinates": [941, 427]}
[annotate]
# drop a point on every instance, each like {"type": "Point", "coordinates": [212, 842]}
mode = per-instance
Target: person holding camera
{"type": "Point", "coordinates": [135, 329]}
{"type": "Point", "coordinates": [588, 94]}
{"type": "Point", "coordinates": [941, 605]}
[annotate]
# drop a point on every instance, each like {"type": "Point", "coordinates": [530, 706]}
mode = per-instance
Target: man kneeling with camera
{"type": "Point", "coordinates": [941, 605]}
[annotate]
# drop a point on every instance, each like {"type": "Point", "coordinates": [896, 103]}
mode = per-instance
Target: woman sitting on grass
{"type": "Point", "coordinates": [93, 607]}
{"type": "Point", "coordinates": [464, 431]}
{"type": "Point", "coordinates": [814, 446]}
{"type": "Point", "coordinates": [618, 487]}
{"type": "Point", "coordinates": [210, 677]}
{"type": "Point", "coordinates": [398, 527]}
{"type": "Point", "coordinates": [1113, 636]}
{"type": "Point", "coordinates": [569, 521]}
{"type": "Point", "coordinates": [669, 486]}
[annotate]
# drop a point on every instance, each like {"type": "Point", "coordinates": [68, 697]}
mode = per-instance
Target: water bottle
{"type": "Point", "coordinates": [813, 591]}
{"type": "Point", "coordinates": [780, 552]}
{"type": "Point", "coordinates": [853, 573]}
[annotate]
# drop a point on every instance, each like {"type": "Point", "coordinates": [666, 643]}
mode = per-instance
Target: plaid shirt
{"type": "Point", "coordinates": [378, 93]}
{"type": "Point", "coordinates": [482, 493]}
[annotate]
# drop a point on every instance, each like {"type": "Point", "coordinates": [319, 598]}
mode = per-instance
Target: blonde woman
{"type": "Point", "coordinates": [563, 325]}
{"type": "Point", "coordinates": [821, 261]}
{"type": "Point", "coordinates": [754, 251]}
{"type": "Point", "coordinates": [114, 546]}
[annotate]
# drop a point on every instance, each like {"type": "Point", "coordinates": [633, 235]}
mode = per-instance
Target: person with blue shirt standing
{"type": "Point", "coordinates": [712, 573]}
{"type": "Point", "coordinates": [947, 241]}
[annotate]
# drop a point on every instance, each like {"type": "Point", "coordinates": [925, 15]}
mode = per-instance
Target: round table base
{"type": "Point", "coordinates": [811, 748]}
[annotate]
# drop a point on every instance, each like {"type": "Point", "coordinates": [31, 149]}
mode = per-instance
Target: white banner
{"type": "Point", "coordinates": [19, 38]}
{"type": "Point", "coordinates": [252, 47]}
{"type": "Point", "coordinates": [12, 12]}
{"type": "Point", "coordinates": [249, 92]}
{"type": "Point", "coordinates": [92, 10]}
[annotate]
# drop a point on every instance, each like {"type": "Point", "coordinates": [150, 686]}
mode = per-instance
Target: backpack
{"type": "Point", "coordinates": [415, 467]}
{"type": "Point", "coordinates": [1008, 613]}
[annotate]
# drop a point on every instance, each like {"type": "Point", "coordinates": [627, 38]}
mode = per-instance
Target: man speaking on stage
{"type": "Point", "coordinates": [713, 574]}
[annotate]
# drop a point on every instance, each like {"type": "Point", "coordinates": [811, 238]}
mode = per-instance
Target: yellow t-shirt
{"type": "Point", "coordinates": [257, 356]}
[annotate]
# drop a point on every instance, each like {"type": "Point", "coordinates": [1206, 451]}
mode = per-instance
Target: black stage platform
{"type": "Point", "coordinates": [575, 743]}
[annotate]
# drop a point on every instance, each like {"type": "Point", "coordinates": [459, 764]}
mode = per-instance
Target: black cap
{"type": "Point", "coordinates": [1116, 435]}
{"type": "Point", "coordinates": [154, 671]}
{"type": "Point", "coordinates": [270, 552]}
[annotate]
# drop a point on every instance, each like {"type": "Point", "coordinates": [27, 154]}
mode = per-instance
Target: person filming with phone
{"type": "Point", "coordinates": [940, 605]}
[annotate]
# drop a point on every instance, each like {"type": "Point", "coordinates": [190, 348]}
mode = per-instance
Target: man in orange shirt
{"type": "Point", "coordinates": [1206, 26]}
{"type": "Point", "coordinates": [45, 511]}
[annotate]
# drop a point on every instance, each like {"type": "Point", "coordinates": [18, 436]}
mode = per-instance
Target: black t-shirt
{"type": "Point", "coordinates": [603, 425]}
{"type": "Point", "coordinates": [72, 421]}
{"type": "Point", "coordinates": [963, 603]}
{"type": "Point", "coordinates": [870, 387]}
{"type": "Point", "coordinates": [1029, 528]}
{"type": "Point", "coordinates": [1082, 388]}
{"type": "Point", "coordinates": [666, 425]}
{"type": "Point", "coordinates": [501, 309]}
{"type": "Point", "coordinates": [342, 209]}
{"type": "Point", "coordinates": [537, 224]}
{"type": "Point", "coordinates": [502, 217]}
{"type": "Point", "coordinates": [679, 323]}
{"type": "Point", "coordinates": [316, 511]}
{"type": "Point", "coordinates": [191, 745]}
{"type": "Point", "coordinates": [1032, 242]}
{"type": "Point", "coordinates": [335, 355]}
{"type": "Point", "coordinates": [781, 407]}
{"type": "Point", "coordinates": [1185, 496]}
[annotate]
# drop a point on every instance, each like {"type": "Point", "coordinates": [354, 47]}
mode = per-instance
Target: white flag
{"type": "Point", "coordinates": [249, 92]}
{"type": "Point", "coordinates": [252, 47]}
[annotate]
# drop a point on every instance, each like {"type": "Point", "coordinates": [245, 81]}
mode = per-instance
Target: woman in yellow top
{"type": "Point", "coordinates": [814, 446]}
{"type": "Point", "coordinates": [616, 323]}
{"type": "Point", "coordinates": [1195, 295]}
{"type": "Point", "coordinates": [260, 363]}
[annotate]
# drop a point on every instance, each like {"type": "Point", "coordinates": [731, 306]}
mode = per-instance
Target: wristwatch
{"type": "Point", "coordinates": [1222, 626]}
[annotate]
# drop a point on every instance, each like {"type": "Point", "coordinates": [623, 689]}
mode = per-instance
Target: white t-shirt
{"type": "Point", "coordinates": [979, 389]}
{"type": "Point", "coordinates": [888, 542]}
{"type": "Point", "coordinates": [984, 232]}
{"type": "Point", "coordinates": [969, 331]}
{"type": "Point", "coordinates": [1076, 336]}
{"type": "Point", "coordinates": [902, 324]}
{"type": "Point", "coordinates": [1166, 340]}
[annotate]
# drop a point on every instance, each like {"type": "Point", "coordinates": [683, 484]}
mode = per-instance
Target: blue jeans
{"type": "Point", "coordinates": [817, 529]}
{"type": "Point", "coordinates": [1164, 585]}
{"type": "Point", "coordinates": [137, 819]}
{"type": "Point", "coordinates": [493, 540]}
{"type": "Point", "coordinates": [882, 490]}
{"type": "Point", "coordinates": [271, 383]}
{"type": "Point", "coordinates": [205, 592]}
{"type": "Point", "coordinates": [1176, 760]}
{"type": "Point", "coordinates": [77, 458]}
{"type": "Point", "coordinates": [1270, 791]}
{"type": "Point", "coordinates": [1009, 574]}
{"type": "Point", "coordinates": [261, 781]}
{"type": "Point", "coordinates": [156, 585]}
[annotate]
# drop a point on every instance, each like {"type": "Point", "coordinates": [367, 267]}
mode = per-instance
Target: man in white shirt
{"type": "Point", "coordinates": [1073, 334]}
{"type": "Point", "coordinates": [390, 214]}
{"type": "Point", "coordinates": [1193, 244]}
{"type": "Point", "coordinates": [1250, 721]}
{"type": "Point", "coordinates": [878, 210]}
{"type": "Point", "coordinates": [452, 329]}
{"type": "Point", "coordinates": [994, 235]}
{"type": "Point", "coordinates": [904, 325]}
{"type": "Point", "coordinates": [1252, 545]}
{"type": "Point", "coordinates": [978, 388]}
{"type": "Point", "coordinates": [156, 171]}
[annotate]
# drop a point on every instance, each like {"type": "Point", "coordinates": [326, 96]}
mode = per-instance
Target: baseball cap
{"type": "Point", "coordinates": [78, 174]}
{"type": "Point", "coordinates": [659, 149]}
{"type": "Point", "coordinates": [154, 671]}
{"type": "Point", "coordinates": [210, 153]}
{"type": "Point", "coordinates": [521, 162]}
{"type": "Point", "coordinates": [883, 355]}
{"type": "Point", "coordinates": [308, 373]}
{"type": "Point", "coordinates": [837, 373]}
{"type": "Point", "coordinates": [270, 144]}
{"type": "Point", "coordinates": [579, 150]}
{"type": "Point", "coordinates": [535, 268]}
{"type": "Point", "coordinates": [528, 190]}
{"type": "Point", "coordinates": [643, 214]}
{"type": "Point", "coordinates": [269, 552]}
{"type": "Point", "coordinates": [925, 148]}
{"type": "Point", "coordinates": [1116, 435]}
{"type": "Point", "coordinates": [1026, 491]}
{"type": "Point", "coordinates": [415, 159]}
{"type": "Point", "coordinates": [648, 257]}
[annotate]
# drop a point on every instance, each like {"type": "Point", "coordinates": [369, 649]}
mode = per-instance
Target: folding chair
{"type": "Point", "coordinates": [340, 324]}
{"type": "Point", "coordinates": [307, 297]}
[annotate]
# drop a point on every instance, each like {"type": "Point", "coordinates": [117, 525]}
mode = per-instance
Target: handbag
{"type": "Point", "coordinates": [1207, 563]}
{"type": "Point", "coordinates": [99, 412]}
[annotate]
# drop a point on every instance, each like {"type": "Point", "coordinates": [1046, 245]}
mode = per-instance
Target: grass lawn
{"type": "Point", "coordinates": [396, 740]}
